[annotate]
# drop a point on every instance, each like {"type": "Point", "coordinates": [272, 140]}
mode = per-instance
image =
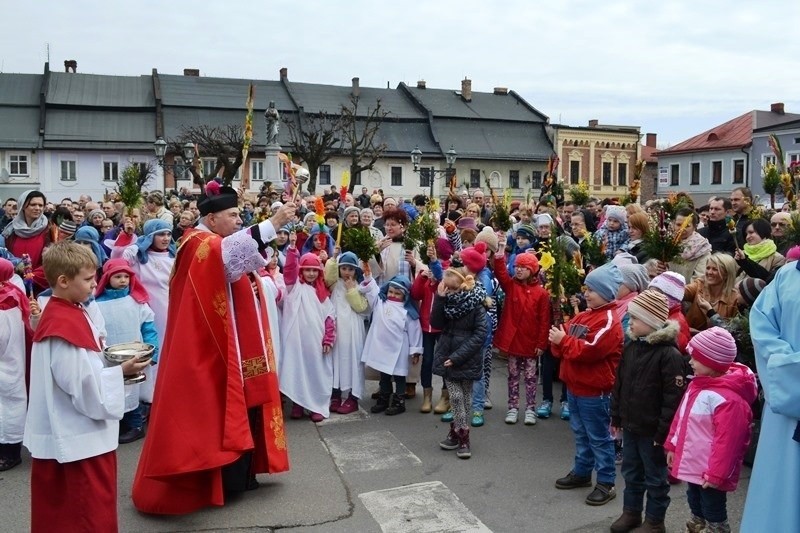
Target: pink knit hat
{"type": "Point", "coordinates": [474, 258]}
{"type": "Point", "coordinates": [714, 348]}
{"type": "Point", "coordinates": [793, 254]}
{"type": "Point", "coordinates": [672, 284]}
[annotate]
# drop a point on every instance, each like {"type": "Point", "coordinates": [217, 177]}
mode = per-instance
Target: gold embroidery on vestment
{"type": "Point", "coordinates": [277, 428]}
{"type": "Point", "coordinates": [254, 367]}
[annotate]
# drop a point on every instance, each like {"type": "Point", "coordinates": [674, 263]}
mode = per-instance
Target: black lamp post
{"type": "Point", "coordinates": [160, 148]}
{"type": "Point", "coordinates": [450, 157]}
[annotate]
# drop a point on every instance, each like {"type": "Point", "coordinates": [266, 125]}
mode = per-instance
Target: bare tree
{"type": "Point", "coordinates": [314, 138]}
{"type": "Point", "coordinates": [359, 136]}
{"type": "Point", "coordinates": [223, 143]}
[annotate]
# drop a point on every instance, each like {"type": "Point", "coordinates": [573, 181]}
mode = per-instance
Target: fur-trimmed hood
{"type": "Point", "coordinates": [666, 335]}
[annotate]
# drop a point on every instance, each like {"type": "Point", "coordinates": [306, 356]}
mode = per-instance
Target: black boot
{"type": "Point", "coordinates": [381, 403]}
{"type": "Point", "coordinates": [397, 404]}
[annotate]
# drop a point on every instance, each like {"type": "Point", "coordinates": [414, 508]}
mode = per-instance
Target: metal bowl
{"type": "Point", "coordinates": [119, 353]}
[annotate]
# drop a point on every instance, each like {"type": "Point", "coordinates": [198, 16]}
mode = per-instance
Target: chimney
{"type": "Point", "coordinates": [593, 123]}
{"type": "Point", "coordinates": [284, 74]}
{"type": "Point", "coordinates": [501, 90]}
{"type": "Point", "coordinates": [777, 108]}
{"type": "Point", "coordinates": [466, 89]}
{"type": "Point", "coordinates": [70, 64]}
{"type": "Point", "coordinates": [421, 84]}
{"type": "Point", "coordinates": [650, 140]}
{"type": "Point", "coordinates": [195, 72]}
{"type": "Point", "coordinates": [356, 88]}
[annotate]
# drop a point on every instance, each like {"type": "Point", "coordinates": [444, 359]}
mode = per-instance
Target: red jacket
{"type": "Point", "coordinates": [676, 314]}
{"type": "Point", "coordinates": [525, 319]}
{"type": "Point", "coordinates": [423, 290]}
{"type": "Point", "coordinates": [591, 351]}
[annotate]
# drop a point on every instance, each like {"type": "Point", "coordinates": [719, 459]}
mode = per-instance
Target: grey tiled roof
{"type": "Point", "coordinates": [19, 127]}
{"type": "Point", "coordinates": [449, 103]}
{"type": "Point", "coordinates": [20, 89]}
{"type": "Point", "coordinates": [221, 93]}
{"type": "Point", "coordinates": [488, 139]}
{"type": "Point", "coordinates": [70, 128]}
{"type": "Point", "coordinates": [330, 98]}
{"type": "Point", "coordinates": [94, 90]}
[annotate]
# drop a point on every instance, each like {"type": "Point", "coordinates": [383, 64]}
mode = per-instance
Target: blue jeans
{"type": "Point", "coordinates": [480, 387]}
{"type": "Point", "coordinates": [644, 467]}
{"type": "Point", "coordinates": [709, 503]}
{"type": "Point", "coordinates": [135, 418]}
{"type": "Point", "coordinates": [589, 420]}
{"type": "Point", "coordinates": [428, 346]}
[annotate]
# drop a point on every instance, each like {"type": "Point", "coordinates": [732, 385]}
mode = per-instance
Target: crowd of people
{"type": "Point", "coordinates": [253, 303]}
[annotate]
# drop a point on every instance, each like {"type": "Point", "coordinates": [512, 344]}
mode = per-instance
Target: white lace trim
{"type": "Point", "coordinates": [240, 255]}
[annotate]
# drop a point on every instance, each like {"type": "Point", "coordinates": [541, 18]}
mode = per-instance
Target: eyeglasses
{"type": "Point", "coordinates": [778, 224]}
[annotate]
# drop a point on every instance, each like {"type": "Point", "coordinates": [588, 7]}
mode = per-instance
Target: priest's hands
{"type": "Point", "coordinates": [133, 366]}
{"type": "Point", "coordinates": [283, 215]}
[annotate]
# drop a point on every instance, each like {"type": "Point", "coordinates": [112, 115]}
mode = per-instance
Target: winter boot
{"type": "Point", "coordinates": [381, 404]}
{"type": "Point", "coordinates": [350, 405]}
{"type": "Point", "coordinates": [717, 527]}
{"type": "Point", "coordinates": [451, 442]}
{"type": "Point", "coordinates": [650, 526]}
{"type": "Point", "coordinates": [427, 396]}
{"type": "Point", "coordinates": [444, 403]}
{"type": "Point", "coordinates": [696, 524]}
{"type": "Point", "coordinates": [297, 411]}
{"type": "Point", "coordinates": [463, 451]}
{"type": "Point", "coordinates": [628, 521]}
{"type": "Point", "coordinates": [336, 401]}
{"type": "Point", "coordinates": [397, 404]}
{"type": "Point", "coordinates": [411, 390]}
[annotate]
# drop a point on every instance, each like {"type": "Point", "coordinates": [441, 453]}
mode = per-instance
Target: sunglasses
{"type": "Point", "coordinates": [778, 224]}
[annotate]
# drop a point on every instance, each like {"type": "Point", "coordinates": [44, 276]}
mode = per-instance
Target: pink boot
{"type": "Point", "coordinates": [316, 417]}
{"type": "Point", "coordinates": [350, 405]}
{"type": "Point", "coordinates": [297, 411]}
{"type": "Point", "coordinates": [336, 402]}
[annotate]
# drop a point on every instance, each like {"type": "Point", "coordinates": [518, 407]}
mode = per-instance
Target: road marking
{"type": "Point", "coordinates": [421, 508]}
{"type": "Point", "coordinates": [379, 450]}
{"type": "Point", "coordinates": [336, 418]}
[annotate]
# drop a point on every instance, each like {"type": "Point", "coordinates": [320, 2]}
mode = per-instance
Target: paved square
{"type": "Point", "coordinates": [420, 508]}
{"type": "Point", "coordinates": [378, 450]}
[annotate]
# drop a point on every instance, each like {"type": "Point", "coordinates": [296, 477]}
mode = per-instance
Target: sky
{"type": "Point", "coordinates": [674, 68]}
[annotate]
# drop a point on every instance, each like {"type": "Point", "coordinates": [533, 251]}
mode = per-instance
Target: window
{"type": "Point", "coordinates": [695, 174]}
{"type": "Point", "coordinates": [606, 173]}
{"type": "Point", "coordinates": [69, 171]}
{"type": "Point", "coordinates": [208, 167]}
{"type": "Point", "coordinates": [257, 170]}
{"type": "Point", "coordinates": [110, 170]}
{"type": "Point", "coordinates": [18, 165]}
{"type": "Point", "coordinates": [622, 174]}
{"type": "Point", "coordinates": [738, 170]}
{"type": "Point", "coordinates": [716, 172]}
{"type": "Point", "coordinates": [424, 177]}
{"type": "Point", "coordinates": [793, 159]}
{"type": "Point", "coordinates": [324, 175]}
{"type": "Point", "coordinates": [574, 172]}
{"type": "Point", "coordinates": [674, 175]}
{"type": "Point", "coordinates": [513, 179]}
{"type": "Point", "coordinates": [475, 178]}
{"type": "Point", "coordinates": [536, 179]}
{"type": "Point", "coordinates": [397, 176]}
{"type": "Point", "coordinates": [769, 159]}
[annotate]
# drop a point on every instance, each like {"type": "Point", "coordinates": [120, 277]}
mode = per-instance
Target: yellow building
{"type": "Point", "coordinates": [603, 156]}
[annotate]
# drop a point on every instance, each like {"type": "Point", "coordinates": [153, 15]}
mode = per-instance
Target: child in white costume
{"type": "Point", "coordinates": [128, 318]}
{"type": "Point", "coordinates": [308, 330]}
{"type": "Point", "coordinates": [342, 277]}
{"type": "Point", "coordinates": [394, 337]}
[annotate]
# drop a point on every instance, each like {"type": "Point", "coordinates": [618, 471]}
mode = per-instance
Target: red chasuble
{"type": "Point", "coordinates": [199, 420]}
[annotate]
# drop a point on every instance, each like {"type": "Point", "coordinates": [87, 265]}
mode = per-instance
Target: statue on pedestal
{"type": "Point", "coordinates": [273, 121]}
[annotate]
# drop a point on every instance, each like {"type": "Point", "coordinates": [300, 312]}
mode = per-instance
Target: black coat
{"type": "Point", "coordinates": [461, 341]}
{"type": "Point", "coordinates": [719, 236]}
{"type": "Point", "coordinates": [650, 384]}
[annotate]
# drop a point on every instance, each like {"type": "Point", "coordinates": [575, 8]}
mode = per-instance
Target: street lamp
{"type": "Point", "coordinates": [449, 172]}
{"type": "Point", "coordinates": [160, 148]}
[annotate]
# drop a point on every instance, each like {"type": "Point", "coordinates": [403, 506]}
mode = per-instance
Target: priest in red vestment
{"type": "Point", "coordinates": [217, 418]}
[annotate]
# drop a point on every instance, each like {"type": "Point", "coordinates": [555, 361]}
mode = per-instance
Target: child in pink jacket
{"type": "Point", "coordinates": [711, 429]}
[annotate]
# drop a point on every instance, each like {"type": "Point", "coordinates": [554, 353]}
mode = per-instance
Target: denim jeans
{"type": "Point", "coordinates": [709, 503]}
{"type": "Point", "coordinates": [385, 384]}
{"type": "Point", "coordinates": [480, 388]}
{"type": "Point", "coordinates": [428, 345]}
{"type": "Point", "coordinates": [589, 420]}
{"type": "Point", "coordinates": [549, 365]}
{"type": "Point", "coordinates": [135, 418]}
{"type": "Point", "coordinates": [644, 467]}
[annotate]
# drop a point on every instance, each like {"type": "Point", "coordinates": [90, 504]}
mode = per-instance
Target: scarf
{"type": "Point", "coordinates": [458, 304]}
{"type": "Point", "coordinates": [19, 227]}
{"type": "Point", "coordinates": [760, 251]}
{"type": "Point", "coordinates": [151, 229]}
{"type": "Point", "coordinates": [695, 246]}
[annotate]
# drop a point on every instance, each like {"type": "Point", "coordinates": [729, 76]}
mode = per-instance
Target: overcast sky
{"type": "Point", "coordinates": [675, 68]}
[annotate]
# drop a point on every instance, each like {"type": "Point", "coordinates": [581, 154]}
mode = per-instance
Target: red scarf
{"type": "Point", "coordinates": [68, 321]}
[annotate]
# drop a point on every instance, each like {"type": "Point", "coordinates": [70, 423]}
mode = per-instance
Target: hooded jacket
{"type": "Point", "coordinates": [711, 430]}
{"type": "Point", "coordinates": [461, 340]}
{"type": "Point", "coordinates": [650, 384]}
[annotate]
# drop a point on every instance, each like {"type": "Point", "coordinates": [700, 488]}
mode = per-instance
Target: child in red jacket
{"type": "Point", "coordinates": [590, 349]}
{"type": "Point", "coordinates": [522, 332]}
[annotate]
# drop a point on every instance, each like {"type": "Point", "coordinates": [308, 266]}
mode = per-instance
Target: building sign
{"type": "Point", "coordinates": [663, 176]}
